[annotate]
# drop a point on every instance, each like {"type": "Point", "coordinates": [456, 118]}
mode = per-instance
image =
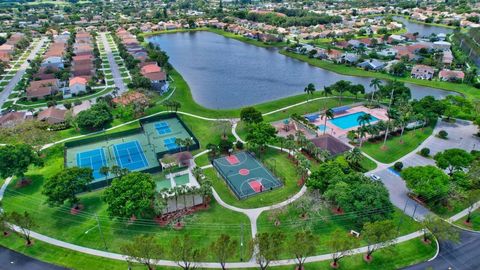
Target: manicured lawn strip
{"type": "Point", "coordinates": [455, 205]}
{"type": "Point", "coordinates": [203, 227]}
{"type": "Point", "coordinates": [475, 221]}
{"type": "Point", "coordinates": [404, 254]}
{"type": "Point", "coordinates": [284, 168]}
{"type": "Point", "coordinates": [41, 103]}
{"type": "Point", "coordinates": [469, 91]}
{"type": "Point", "coordinates": [202, 160]}
{"type": "Point", "coordinates": [324, 225]}
{"type": "Point", "coordinates": [368, 164]}
{"type": "Point", "coordinates": [395, 149]}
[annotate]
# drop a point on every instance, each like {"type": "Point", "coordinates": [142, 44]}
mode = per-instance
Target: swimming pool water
{"type": "Point", "coordinates": [322, 128]}
{"type": "Point", "coordinates": [350, 121]}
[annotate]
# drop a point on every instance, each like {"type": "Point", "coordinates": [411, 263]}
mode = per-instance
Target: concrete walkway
{"type": "Point", "coordinates": [117, 76]}
{"type": "Point", "coordinates": [18, 76]}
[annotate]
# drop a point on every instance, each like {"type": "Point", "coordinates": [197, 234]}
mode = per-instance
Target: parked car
{"type": "Point", "coordinates": [375, 177]}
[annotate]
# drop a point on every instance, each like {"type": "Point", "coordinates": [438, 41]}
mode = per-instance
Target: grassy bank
{"type": "Point", "coordinates": [467, 90]}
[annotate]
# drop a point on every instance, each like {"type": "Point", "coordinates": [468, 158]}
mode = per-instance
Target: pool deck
{"type": "Point", "coordinates": [379, 113]}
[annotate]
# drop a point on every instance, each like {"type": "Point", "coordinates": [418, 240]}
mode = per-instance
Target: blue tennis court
{"type": "Point", "coordinates": [93, 159]}
{"type": "Point", "coordinates": [170, 143]}
{"type": "Point", "coordinates": [129, 155]}
{"type": "Point", "coordinates": [162, 128]}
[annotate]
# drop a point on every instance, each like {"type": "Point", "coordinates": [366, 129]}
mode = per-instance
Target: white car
{"type": "Point", "coordinates": [375, 177]}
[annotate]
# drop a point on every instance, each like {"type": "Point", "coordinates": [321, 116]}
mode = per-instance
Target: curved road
{"type": "Point", "coordinates": [10, 259]}
{"type": "Point", "coordinates": [462, 256]}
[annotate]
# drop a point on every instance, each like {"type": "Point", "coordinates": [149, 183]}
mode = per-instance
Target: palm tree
{"type": "Point", "coordinates": [104, 170]}
{"type": "Point", "coordinates": [326, 91]}
{"type": "Point", "coordinates": [391, 114]}
{"type": "Point", "coordinates": [309, 89]}
{"type": "Point", "coordinates": [281, 140]}
{"type": "Point", "coordinates": [180, 142]}
{"type": "Point", "coordinates": [205, 190]}
{"type": "Point", "coordinates": [187, 142]}
{"type": "Point", "coordinates": [290, 145]}
{"type": "Point", "coordinates": [354, 157]}
{"type": "Point", "coordinates": [327, 114]}
{"type": "Point", "coordinates": [364, 119]}
{"type": "Point", "coordinates": [375, 83]}
{"type": "Point", "coordinates": [362, 133]}
{"type": "Point", "coordinates": [197, 172]}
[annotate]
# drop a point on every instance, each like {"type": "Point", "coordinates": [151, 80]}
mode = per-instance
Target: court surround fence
{"type": "Point", "coordinates": [134, 131]}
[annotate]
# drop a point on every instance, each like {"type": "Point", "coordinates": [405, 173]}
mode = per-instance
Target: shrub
{"type": "Point", "coordinates": [442, 134]}
{"type": "Point", "coordinates": [425, 152]}
{"type": "Point", "coordinates": [239, 145]}
{"type": "Point", "coordinates": [398, 166]}
{"type": "Point", "coordinates": [225, 145]}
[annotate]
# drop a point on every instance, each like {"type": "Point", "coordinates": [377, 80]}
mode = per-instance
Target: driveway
{"type": "Point", "coordinates": [18, 76]}
{"type": "Point", "coordinates": [460, 135]}
{"type": "Point", "coordinates": [117, 77]}
{"type": "Point", "coordinates": [462, 256]}
{"type": "Point", "coordinates": [10, 259]}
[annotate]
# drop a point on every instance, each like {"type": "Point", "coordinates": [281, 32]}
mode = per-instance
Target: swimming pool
{"type": "Point", "coordinates": [322, 128]}
{"type": "Point", "coordinates": [350, 121]}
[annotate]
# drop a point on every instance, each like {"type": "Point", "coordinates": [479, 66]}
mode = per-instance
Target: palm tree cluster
{"type": "Point", "coordinates": [185, 143]}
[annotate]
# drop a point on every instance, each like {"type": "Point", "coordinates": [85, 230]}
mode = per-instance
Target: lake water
{"type": "Point", "coordinates": [422, 29]}
{"type": "Point", "coordinates": [225, 73]}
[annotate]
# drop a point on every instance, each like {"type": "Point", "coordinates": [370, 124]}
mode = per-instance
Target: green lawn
{"type": "Point", "coordinates": [396, 149]}
{"type": "Point", "coordinates": [323, 224]}
{"type": "Point", "coordinates": [202, 160]}
{"type": "Point", "coordinates": [284, 168]}
{"type": "Point", "coordinates": [475, 221]}
{"type": "Point", "coordinates": [204, 226]}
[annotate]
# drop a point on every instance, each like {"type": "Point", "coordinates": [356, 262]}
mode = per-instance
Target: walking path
{"type": "Point", "coordinates": [117, 76]}
{"type": "Point", "coordinates": [18, 76]}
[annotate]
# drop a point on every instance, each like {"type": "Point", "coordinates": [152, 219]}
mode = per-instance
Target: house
{"type": "Point", "coordinates": [333, 145]}
{"type": "Point", "coordinates": [422, 72]}
{"type": "Point", "coordinates": [42, 88]}
{"type": "Point", "coordinates": [52, 116]}
{"type": "Point", "coordinates": [451, 75]}
{"type": "Point", "coordinates": [447, 58]}
{"type": "Point", "coordinates": [442, 45]}
{"type": "Point", "coordinates": [7, 48]}
{"type": "Point", "coordinates": [13, 118]}
{"type": "Point", "coordinates": [372, 64]}
{"type": "Point", "coordinates": [157, 77]}
{"type": "Point", "coordinates": [77, 85]}
{"type": "Point", "coordinates": [53, 61]}
{"type": "Point", "coordinates": [350, 58]}
{"type": "Point", "coordinates": [387, 53]}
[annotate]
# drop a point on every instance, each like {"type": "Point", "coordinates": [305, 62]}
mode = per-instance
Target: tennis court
{"type": "Point", "coordinates": [164, 134]}
{"type": "Point", "coordinates": [245, 175]}
{"type": "Point", "coordinates": [93, 159]}
{"type": "Point", "coordinates": [130, 156]}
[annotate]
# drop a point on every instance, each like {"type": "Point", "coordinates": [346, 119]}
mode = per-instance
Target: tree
{"type": "Point", "coordinates": [378, 234]}
{"type": "Point", "coordinates": [398, 69]}
{"type": "Point", "coordinates": [324, 176]}
{"type": "Point", "coordinates": [340, 244]}
{"type": "Point", "coordinates": [439, 228]}
{"type": "Point", "coordinates": [326, 91]}
{"type": "Point", "coordinates": [15, 160]}
{"type": "Point", "coordinates": [25, 224]}
{"type": "Point", "coordinates": [104, 170]}
{"type": "Point", "coordinates": [261, 134]}
{"type": "Point", "coordinates": [309, 89]}
{"type": "Point", "coordinates": [354, 157]}
{"type": "Point", "coordinates": [250, 115]}
{"type": "Point", "coordinates": [267, 247]}
{"type": "Point", "coordinates": [327, 114]}
{"type": "Point", "coordinates": [65, 185]}
{"type": "Point", "coordinates": [427, 182]}
{"type": "Point", "coordinates": [223, 248]}
{"type": "Point", "coordinates": [95, 118]}
{"type": "Point", "coordinates": [185, 252]}
{"type": "Point", "coordinates": [205, 190]}
{"type": "Point", "coordinates": [453, 160]}
{"type": "Point", "coordinates": [302, 245]}
{"type": "Point", "coordinates": [143, 249]}
{"type": "Point", "coordinates": [130, 195]}
{"type": "Point", "coordinates": [4, 227]}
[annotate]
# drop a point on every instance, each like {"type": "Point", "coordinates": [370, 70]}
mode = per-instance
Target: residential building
{"type": "Point", "coordinates": [451, 75]}
{"type": "Point", "coordinates": [422, 72]}
{"type": "Point", "coordinates": [52, 116]}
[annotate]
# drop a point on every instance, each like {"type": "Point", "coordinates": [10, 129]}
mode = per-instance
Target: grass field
{"type": "Point", "coordinates": [397, 147]}
{"type": "Point", "coordinates": [204, 226]}
{"type": "Point", "coordinates": [475, 221]}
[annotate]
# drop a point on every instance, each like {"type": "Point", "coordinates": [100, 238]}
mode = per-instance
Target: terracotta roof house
{"type": "Point", "coordinates": [42, 88]}
{"type": "Point", "coordinates": [82, 70]}
{"type": "Point", "coordinates": [157, 77]}
{"type": "Point", "coordinates": [331, 144]}
{"type": "Point", "coordinates": [52, 116]}
{"type": "Point", "coordinates": [6, 48]}
{"type": "Point", "coordinates": [82, 57]}
{"type": "Point", "coordinates": [422, 72]}
{"type": "Point", "coordinates": [150, 69]}
{"type": "Point", "coordinates": [451, 75]}
{"type": "Point", "coordinates": [5, 57]}
{"type": "Point", "coordinates": [77, 85]}
{"type": "Point", "coordinates": [447, 58]}
{"type": "Point", "coordinates": [13, 118]}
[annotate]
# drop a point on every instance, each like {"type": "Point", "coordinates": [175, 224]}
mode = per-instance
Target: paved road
{"type": "Point", "coordinates": [18, 76]}
{"type": "Point", "coordinates": [117, 77]}
{"type": "Point", "coordinates": [462, 256]}
{"type": "Point", "coordinates": [12, 260]}
{"type": "Point", "coordinates": [460, 135]}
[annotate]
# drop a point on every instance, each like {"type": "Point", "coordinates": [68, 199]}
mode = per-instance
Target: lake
{"type": "Point", "coordinates": [424, 30]}
{"type": "Point", "coordinates": [225, 73]}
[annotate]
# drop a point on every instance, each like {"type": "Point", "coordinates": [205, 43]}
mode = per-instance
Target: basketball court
{"type": "Point", "coordinates": [245, 175]}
